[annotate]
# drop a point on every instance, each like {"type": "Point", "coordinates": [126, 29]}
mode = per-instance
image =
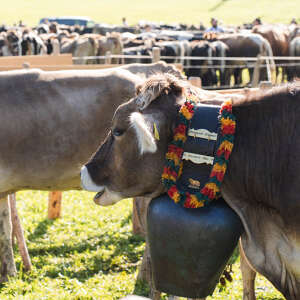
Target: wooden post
{"type": "Point", "coordinates": [269, 73]}
{"type": "Point", "coordinates": [256, 71]}
{"type": "Point", "coordinates": [155, 54]}
{"type": "Point", "coordinates": [54, 205]}
{"type": "Point", "coordinates": [195, 81]}
{"type": "Point", "coordinates": [108, 58]}
{"type": "Point", "coordinates": [18, 232]}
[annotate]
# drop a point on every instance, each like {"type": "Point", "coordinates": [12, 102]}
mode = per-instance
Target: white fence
{"type": "Point", "coordinates": [255, 63]}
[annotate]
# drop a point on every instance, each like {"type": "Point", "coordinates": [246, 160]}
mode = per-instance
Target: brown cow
{"type": "Point", "coordinates": [278, 37]}
{"type": "Point", "coordinates": [261, 183]}
{"type": "Point", "coordinates": [54, 121]}
{"type": "Point", "coordinates": [245, 45]}
{"type": "Point", "coordinates": [79, 46]}
{"type": "Point", "coordinates": [110, 43]}
{"type": "Point", "coordinates": [294, 71]}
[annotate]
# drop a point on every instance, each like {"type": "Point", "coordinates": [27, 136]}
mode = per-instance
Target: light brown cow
{"type": "Point", "coordinates": [261, 183]}
{"type": "Point", "coordinates": [278, 37]}
{"type": "Point", "coordinates": [79, 46]}
{"type": "Point", "coordinates": [110, 43]}
{"type": "Point", "coordinates": [51, 123]}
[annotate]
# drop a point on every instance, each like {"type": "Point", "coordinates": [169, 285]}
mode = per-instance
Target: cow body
{"type": "Point", "coordinates": [278, 37]}
{"type": "Point", "coordinates": [294, 71]}
{"type": "Point", "coordinates": [51, 123]}
{"type": "Point", "coordinates": [53, 119]}
{"type": "Point", "coordinates": [261, 184]}
{"type": "Point", "coordinates": [202, 68]}
{"type": "Point", "coordinates": [245, 45]}
{"type": "Point", "coordinates": [265, 190]}
{"type": "Point", "coordinates": [48, 120]}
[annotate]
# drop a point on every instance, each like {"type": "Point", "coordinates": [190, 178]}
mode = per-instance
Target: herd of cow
{"type": "Point", "coordinates": [175, 47]}
{"type": "Point", "coordinates": [63, 116]}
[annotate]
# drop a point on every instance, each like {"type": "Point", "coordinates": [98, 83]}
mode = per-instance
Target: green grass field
{"type": "Point", "coordinates": [188, 11]}
{"type": "Point", "coordinates": [89, 253]}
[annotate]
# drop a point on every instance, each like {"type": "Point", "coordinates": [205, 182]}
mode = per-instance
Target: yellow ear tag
{"type": "Point", "coordinates": [156, 134]}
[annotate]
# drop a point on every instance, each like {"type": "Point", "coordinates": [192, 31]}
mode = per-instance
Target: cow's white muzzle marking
{"type": "Point", "coordinates": [87, 182]}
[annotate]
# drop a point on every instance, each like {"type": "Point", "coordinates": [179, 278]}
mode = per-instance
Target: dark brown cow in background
{"type": "Point", "coordinates": [202, 68]}
{"type": "Point", "coordinates": [245, 45]}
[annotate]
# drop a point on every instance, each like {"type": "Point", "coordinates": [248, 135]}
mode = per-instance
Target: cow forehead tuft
{"type": "Point", "coordinates": [153, 87]}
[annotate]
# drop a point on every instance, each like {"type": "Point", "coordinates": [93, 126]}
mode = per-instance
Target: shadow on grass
{"type": "Point", "coordinates": [123, 246]}
{"type": "Point", "coordinates": [126, 220]}
{"type": "Point", "coordinates": [141, 288]}
{"type": "Point", "coordinates": [218, 5]}
{"type": "Point", "coordinates": [40, 230]}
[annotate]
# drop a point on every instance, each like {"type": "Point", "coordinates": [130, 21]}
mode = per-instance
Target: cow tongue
{"type": "Point", "coordinates": [98, 195]}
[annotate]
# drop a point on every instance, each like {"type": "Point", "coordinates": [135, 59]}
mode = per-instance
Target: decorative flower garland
{"type": "Point", "coordinates": [173, 165]}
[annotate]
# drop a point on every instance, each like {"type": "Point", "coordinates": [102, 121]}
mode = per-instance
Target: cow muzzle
{"type": "Point", "coordinates": [107, 197]}
{"type": "Point", "coordinates": [104, 196]}
{"type": "Point", "coordinates": [87, 182]}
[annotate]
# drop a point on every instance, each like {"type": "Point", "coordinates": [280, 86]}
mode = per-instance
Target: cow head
{"type": "Point", "coordinates": [130, 161]}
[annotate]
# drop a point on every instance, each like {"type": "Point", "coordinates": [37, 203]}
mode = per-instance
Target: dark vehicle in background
{"type": "Point", "coordinates": [71, 21]}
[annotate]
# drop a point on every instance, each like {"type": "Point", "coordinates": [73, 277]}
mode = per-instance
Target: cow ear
{"type": "Point", "coordinates": [177, 88]}
{"type": "Point", "coordinates": [144, 133]}
{"type": "Point", "coordinates": [146, 94]}
{"type": "Point", "coordinates": [138, 89]}
{"type": "Point", "coordinates": [157, 86]}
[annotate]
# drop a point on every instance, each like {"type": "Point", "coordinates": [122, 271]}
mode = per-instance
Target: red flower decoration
{"type": "Point", "coordinates": [181, 128]}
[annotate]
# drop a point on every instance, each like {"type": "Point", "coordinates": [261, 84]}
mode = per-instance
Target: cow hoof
{"type": "Point", "coordinates": [133, 297]}
{"type": "Point", "coordinates": [3, 279]}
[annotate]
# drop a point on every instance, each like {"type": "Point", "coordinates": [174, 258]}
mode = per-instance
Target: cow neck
{"type": "Point", "coordinates": [224, 138]}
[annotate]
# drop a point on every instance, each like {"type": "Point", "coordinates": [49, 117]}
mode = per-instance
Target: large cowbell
{"type": "Point", "coordinates": [190, 247]}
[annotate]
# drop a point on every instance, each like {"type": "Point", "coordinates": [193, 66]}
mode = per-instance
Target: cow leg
{"type": "Point", "coordinates": [140, 206]}
{"type": "Point", "coordinates": [8, 267]}
{"type": "Point", "coordinates": [154, 294]}
{"type": "Point", "coordinates": [139, 215]}
{"type": "Point", "coordinates": [145, 273]}
{"type": "Point", "coordinates": [145, 267]}
{"type": "Point", "coordinates": [248, 275]}
{"type": "Point", "coordinates": [139, 220]}
{"type": "Point", "coordinates": [18, 232]}
{"type": "Point", "coordinates": [223, 78]}
{"type": "Point", "coordinates": [270, 244]}
{"type": "Point", "coordinates": [227, 79]}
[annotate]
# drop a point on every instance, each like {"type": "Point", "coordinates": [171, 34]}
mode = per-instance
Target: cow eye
{"type": "Point", "coordinates": [117, 132]}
